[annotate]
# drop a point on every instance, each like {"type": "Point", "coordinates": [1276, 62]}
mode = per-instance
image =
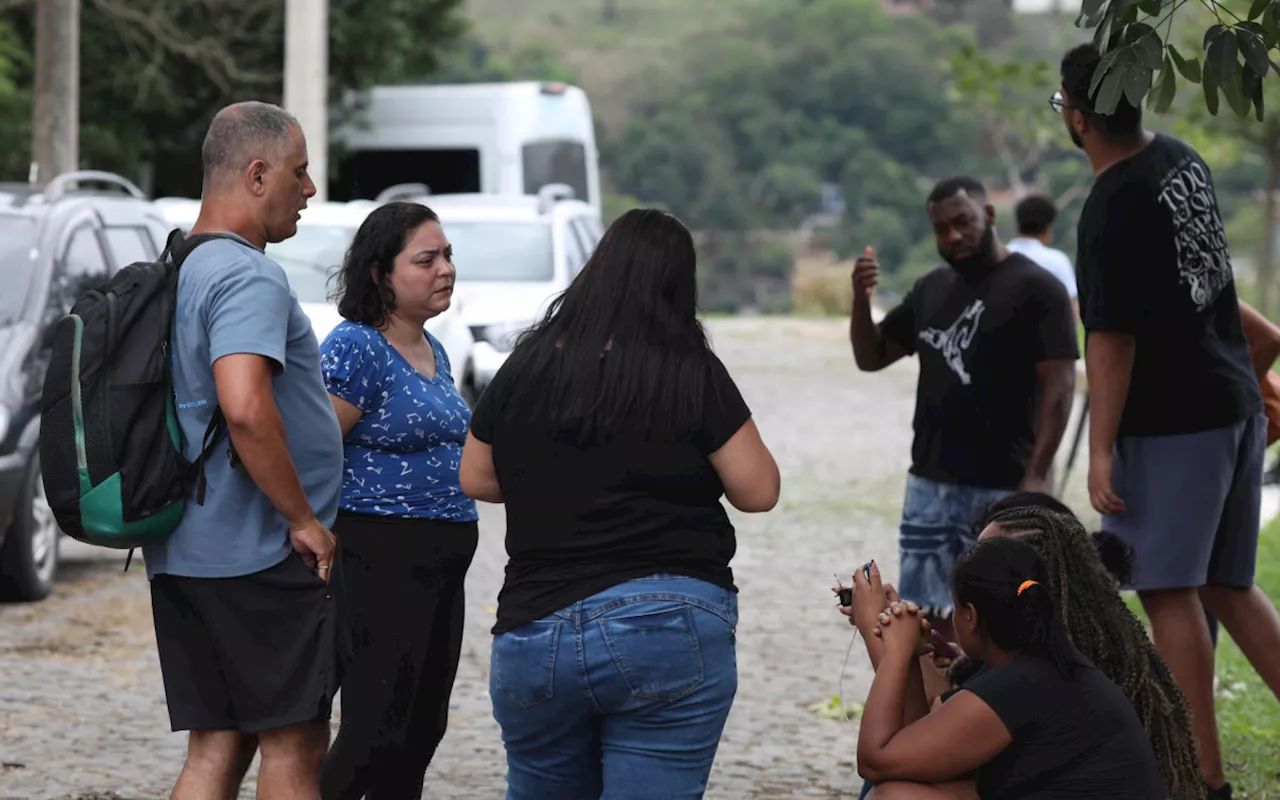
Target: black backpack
{"type": "Point", "coordinates": [110, 444]}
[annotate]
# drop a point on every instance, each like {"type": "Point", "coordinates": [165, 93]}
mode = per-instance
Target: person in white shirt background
{"type": "Point", "coordinates": [1035, 215]}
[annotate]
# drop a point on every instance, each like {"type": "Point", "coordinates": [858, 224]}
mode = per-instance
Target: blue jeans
{"type": "Point", "coordinates": [935, 530]}
{"type": "Point", "coordinates": [621, 696]}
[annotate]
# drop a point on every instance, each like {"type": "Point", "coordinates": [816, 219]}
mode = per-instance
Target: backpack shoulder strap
{"type": "Point", "coordinates": [179, 246]}
{"type": "Point", "coordinates": [213, 434]}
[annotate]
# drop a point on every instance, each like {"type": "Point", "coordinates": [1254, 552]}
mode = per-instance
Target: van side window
{"type": "Point", "coordinates": [556, 161]}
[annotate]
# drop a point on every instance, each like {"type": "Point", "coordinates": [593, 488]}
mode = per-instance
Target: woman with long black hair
{"type": "Point", "coordinates": [1039, 721]}
{"type": "Point", "coordinates": [611, 434]}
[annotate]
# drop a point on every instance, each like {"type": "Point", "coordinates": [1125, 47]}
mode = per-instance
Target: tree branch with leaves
{"type": "Point", "coordinates": [1231, 60]}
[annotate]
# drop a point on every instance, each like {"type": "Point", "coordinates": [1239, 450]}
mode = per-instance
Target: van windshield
{"type": "Point", "coordinates": [310, 256]}
{"type": "Point", "coordinates": [501, 251]}
{"type": "Point", "coordinates": [17, 270]}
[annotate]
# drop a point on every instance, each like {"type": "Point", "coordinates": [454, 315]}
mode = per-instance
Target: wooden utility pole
{"type": "Point", "coordinates": [306, 81]}
{"type": "Point", "coordinates": [56, 129]}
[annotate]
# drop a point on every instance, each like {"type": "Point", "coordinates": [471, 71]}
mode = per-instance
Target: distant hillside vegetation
{"type": "Point", "coordinates": [610, 59]}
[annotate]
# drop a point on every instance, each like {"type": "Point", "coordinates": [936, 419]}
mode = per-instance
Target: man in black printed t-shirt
{"type": "Point", "coordinates": [1176, 434]}
{"type": "Point", "coordinates": [996, 338]}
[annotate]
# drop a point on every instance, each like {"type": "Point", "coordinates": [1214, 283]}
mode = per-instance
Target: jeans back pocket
{"type": "Point", "coordinates": [522, 664]}
{"type": "Point", "coordinates": [654, 645]}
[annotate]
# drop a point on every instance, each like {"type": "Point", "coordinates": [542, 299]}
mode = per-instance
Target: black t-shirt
{"type": "Point", "coordinates": [1153, 262]}
{"type": "Point", "coordinates": [979, 342]}
{"type": "Point", "coordinates": [580, 520]}
{"type": "Point", "coordinates": [1071, 739]}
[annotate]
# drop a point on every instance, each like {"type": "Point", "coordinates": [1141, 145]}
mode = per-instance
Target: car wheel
{"type": "Point", "coordinates": [29, 556]}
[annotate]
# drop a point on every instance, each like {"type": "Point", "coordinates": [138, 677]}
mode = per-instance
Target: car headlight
{"type": "Point", "coordinates": [502, 335]}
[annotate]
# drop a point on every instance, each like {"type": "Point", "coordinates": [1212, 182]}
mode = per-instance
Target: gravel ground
{"type": "Point", "coordinates": [82, 711]}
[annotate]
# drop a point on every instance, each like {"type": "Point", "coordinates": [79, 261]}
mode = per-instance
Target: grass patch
{"type": "Point", "coordinates": [832, 710]}
{"type": "Point", "coordinates": [1248, 714]}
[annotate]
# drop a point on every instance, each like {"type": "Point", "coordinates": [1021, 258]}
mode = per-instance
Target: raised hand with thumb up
{"type": "Point", "coordinates": [866, 274]}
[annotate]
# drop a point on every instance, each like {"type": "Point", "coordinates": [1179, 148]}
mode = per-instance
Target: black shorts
{"type": "Point", "coordinates": [253, 653]}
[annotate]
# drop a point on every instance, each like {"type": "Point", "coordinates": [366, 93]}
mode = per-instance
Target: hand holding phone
{"type": "Point", "coordinates": [941, 647]}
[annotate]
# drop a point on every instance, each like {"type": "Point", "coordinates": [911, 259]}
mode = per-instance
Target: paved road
{"type": "Point", "coordinates": [82, 706]}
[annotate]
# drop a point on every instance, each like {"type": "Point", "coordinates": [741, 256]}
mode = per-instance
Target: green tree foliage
{"type": "Point", "coordinates": [153, 72]}
{"type": "Point", "coordinates": [770, 111]}
{"type": "Point", "coordinates": [469, 60]}
{"type": "Point", "coordinates": [744, 132]}
{"type": "Point", "coordinates": [1231, 57]}
{"type": "Point", "coordinates": [15, 104]}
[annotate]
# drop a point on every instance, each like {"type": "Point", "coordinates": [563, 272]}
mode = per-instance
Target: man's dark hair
{"type": "Point", "coordinates": [363, 285]}
{"type": "Point", "coordinates": [1078, 68]}
{"type": "Point", "coordinates": [950, 187]}
{"type": "Point", "coordinates": [1034, 213]}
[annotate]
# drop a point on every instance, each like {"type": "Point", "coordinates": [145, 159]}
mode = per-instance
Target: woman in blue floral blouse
{"type": "Point", "coordinates": [406, 532]}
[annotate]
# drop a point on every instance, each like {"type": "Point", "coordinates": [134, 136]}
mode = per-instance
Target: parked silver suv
{"type": "Point", "coordinates": [56, 241]}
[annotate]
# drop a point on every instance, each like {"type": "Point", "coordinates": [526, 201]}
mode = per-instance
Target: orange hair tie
{"type": "Point", "coordinates": [1024, 586]}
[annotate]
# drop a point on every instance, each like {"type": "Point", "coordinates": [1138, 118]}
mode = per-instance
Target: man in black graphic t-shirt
{"type": "Point", "coordinates": [995, 335]}
{"type": "Point", "coordinates": [1177, 435]}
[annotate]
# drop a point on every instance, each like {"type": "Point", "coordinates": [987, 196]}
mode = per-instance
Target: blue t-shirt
{"type": "Point", "coordinates": [233, 299]}
{"type": "Point", "coordinates": [402, 457]}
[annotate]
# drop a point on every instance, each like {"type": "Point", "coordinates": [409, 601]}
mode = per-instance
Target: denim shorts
{"type": "Point", "coordinates": [936, 528]}
{"type": "Point", "coordinates": [621, 696]}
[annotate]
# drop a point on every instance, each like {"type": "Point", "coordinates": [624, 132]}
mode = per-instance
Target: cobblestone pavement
{"type": "Point", "coordinates": [82, 711]}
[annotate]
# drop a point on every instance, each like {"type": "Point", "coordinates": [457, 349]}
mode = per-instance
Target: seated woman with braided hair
{"type": "Point", "coordinates": [1038, 722]}
{"type": "Point", "coordinates": [1087, 570]}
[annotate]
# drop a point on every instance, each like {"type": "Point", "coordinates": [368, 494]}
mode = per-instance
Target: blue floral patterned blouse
{"type": "Point", "coordinates": [402, 458]}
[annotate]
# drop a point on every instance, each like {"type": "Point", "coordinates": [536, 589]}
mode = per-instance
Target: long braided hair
{"type": "Point", "coordinates": [1103, 628]}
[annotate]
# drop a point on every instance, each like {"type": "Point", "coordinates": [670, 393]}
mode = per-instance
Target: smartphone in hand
{"type": "Point", "coordinates": [942, 647]}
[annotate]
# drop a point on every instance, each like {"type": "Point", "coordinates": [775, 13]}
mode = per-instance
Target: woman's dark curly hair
{"type": "Point", "coordinates": [363, 284]}
{"type": "Point", "coordinates": [1103, 628]}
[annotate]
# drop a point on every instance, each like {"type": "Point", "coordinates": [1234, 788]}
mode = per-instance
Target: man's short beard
{"type": "Point", "coordinates": [981, 258]}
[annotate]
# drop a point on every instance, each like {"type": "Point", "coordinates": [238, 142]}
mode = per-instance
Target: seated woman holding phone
{"type": "Point", "coordinates": [1038, 721]}
{"type": "Point", "coordinates": [1087, 569]}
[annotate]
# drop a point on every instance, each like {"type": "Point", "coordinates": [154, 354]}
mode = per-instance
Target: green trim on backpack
{"type": "Point", "coordinates": [101, 505]}
{"type": "Point", "coordinates": [101, 508]}
{"type": "Point", "coordinates": [171, 419]}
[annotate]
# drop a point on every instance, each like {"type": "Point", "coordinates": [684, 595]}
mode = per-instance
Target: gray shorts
{"type": "Point", "coordinates": [1193, 505]}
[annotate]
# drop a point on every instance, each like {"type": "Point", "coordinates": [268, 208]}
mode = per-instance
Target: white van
{"type": "Point", "coordinates": [480, 138]}
{"type": "Point", "coordinates": [310, 256]}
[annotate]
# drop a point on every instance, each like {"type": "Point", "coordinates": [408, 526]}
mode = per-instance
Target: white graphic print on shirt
{"type": "Point", "coordinates": [955, 340]}
{"type": "Point", "coordinates": [1203, 260]}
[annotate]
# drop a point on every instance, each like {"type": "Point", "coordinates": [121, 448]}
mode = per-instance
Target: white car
{"type": "Point", "coordinates": [514, 255]}
{"type": "Point", "coordinates": [311, 255]}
